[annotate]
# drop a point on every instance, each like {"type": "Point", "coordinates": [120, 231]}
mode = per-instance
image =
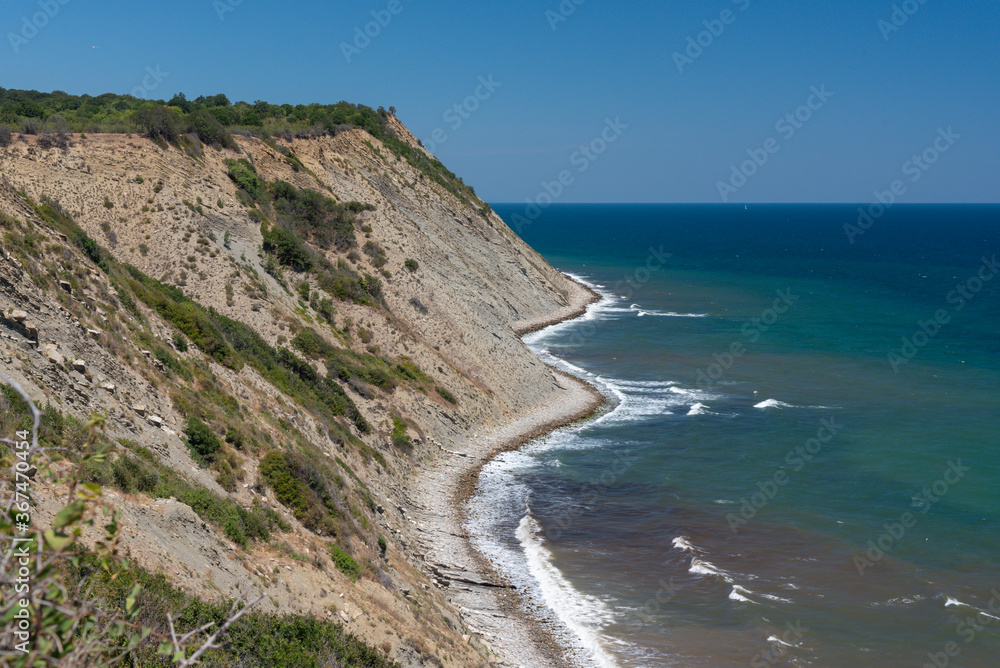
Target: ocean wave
{"type": "Point", "coordinates": [583, 614]}
{"type": "Point", "coordinates": [684, 543]}
{"type": "Point", "coordinates": [643, 385]}
{"type": "Point", "coordinates": [951, 602]}
{"type": "Point", "coordinates": [664, 314]}
{"type": "Point", "coordinates": [698, 409]}
{"type": "Point", "coordinates": [638, 400]}
{"type": "Point", "coordinates": [738, 593]}
{"type": "Point", "coordinates": [781, 642]}
{"type": "Point", "coordinates": [772, 403]}
{"type": "Point", "coordinates": [707, 568]}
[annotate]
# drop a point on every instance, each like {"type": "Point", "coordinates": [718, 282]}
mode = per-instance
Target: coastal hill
{"type": "Point", "coordinates": [284, 314]}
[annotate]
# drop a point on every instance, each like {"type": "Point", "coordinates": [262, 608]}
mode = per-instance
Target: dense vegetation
{"type": "Point", "coordinates": [213, 120]}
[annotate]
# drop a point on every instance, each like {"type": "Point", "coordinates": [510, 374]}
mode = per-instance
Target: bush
{"type": "Point", "coordinates": [245, 177]}
{"type": "Point", "coordinates": [344, 562]}
{"type": "Point", "coordinates": [305, 487]}
{"type": "Point", "coordinates": [200, 438]}
{"type": "Point", "coordinates": [209, 129]}
{"type": "Point", "coordinates": [5, 136]}
{"type": "Point", "coordinates": [158, 123]}
{"type": "Point", "coordinates": [446, 395]}
{"type": "Point", "coordinates": [400, 439]}
{"type": "Point", "coordinates": [287, 248]}
{"type": "Point", "coordinates": [376, 253]}
{"type": "Point", "coordinates": [411, 265]}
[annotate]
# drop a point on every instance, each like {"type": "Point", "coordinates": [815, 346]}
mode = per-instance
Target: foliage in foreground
{"type": "Point", "coordinates": [88, 606]}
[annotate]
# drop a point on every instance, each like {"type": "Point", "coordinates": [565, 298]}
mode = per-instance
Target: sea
{"type": "Point", "coordinates": [799, 462]}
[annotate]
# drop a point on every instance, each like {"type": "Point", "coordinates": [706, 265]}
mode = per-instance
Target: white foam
{"type": "Point", "coordinates": [956, 602]}
{"type": "Point", "coordinates": [585, 615]}
{"type": "Point", "coordinates": [683, 543]}
{"type": "Point", "coordinates": [780, 641]}
{"type": "Point", "coordinates": [772, 403]}
{"type": "Point", "coordinates": [702, 567]}
{"type": "Point", "coordinates": [665, 314]}
{"type": "Point", "coordinates": [738, 594]}
{"type": "Point", "coordinates": [698, 409]}
{"type": "Point", "coordinates": [692, 394]}
{"type": "Point", "coordinates": [671, 314]}
{"type": "Point", "coordinates": [642, 385]}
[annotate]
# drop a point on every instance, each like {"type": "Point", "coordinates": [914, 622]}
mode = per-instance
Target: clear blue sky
{"type": "Point", "coordinates": [615, 60]}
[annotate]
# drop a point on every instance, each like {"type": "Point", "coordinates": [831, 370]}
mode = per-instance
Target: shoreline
{"type": "Point", "coordinates": [439, 492]}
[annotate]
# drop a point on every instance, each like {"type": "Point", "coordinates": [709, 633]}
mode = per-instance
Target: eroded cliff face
{"type": "Point", "coordinates": [436, 360]}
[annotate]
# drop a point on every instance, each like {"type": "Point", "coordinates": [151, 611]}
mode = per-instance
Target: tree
{"type": "Point", "coordinates": [158, 122]}
{"type": "Point", "coordinates": [180, 100]}
{"type": "Point", "coordinates": [209, 129]}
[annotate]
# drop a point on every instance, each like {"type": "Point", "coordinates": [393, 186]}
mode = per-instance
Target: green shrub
{"type": "Point", "coordinates": [400, 439]}
{"type": "Point", "coordinates": [158, 123]}
{"type": "Point", "coordinates": [411, 265]}
{"type": "Point", "coordinates": [344, 562]}
{"type": "Point", "coordinates": [446, 395]}
{"type": "Point", "coordinates": [201, 439]}
{"type": "Point", "coordinates": [245, 177]}
{"type": "Point", "coordinates": [286, 247]}
{"type": "Point", "coordinates": [209, 129]}
{"type": "Point", "coordinates": [382, 545]}
{"type": "Point", "coordinates": [306, 487]}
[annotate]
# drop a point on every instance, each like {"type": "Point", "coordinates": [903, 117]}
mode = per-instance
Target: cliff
{"type": "Point", "coordinates": [332, 314]}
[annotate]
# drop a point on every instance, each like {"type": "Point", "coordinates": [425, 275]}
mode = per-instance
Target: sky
{"type": "Point", "coordinates": [586, 100]}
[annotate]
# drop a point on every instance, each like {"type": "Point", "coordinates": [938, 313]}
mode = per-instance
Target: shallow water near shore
{"type": "Point", "coordinates": [800, 465]}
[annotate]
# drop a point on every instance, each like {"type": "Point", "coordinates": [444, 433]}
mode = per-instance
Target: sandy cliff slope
{"type": "Point", "coordinates": [446, 357]}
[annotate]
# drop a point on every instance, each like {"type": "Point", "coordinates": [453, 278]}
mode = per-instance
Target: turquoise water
{"type": "Point", "coordinates": [801, 466]}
